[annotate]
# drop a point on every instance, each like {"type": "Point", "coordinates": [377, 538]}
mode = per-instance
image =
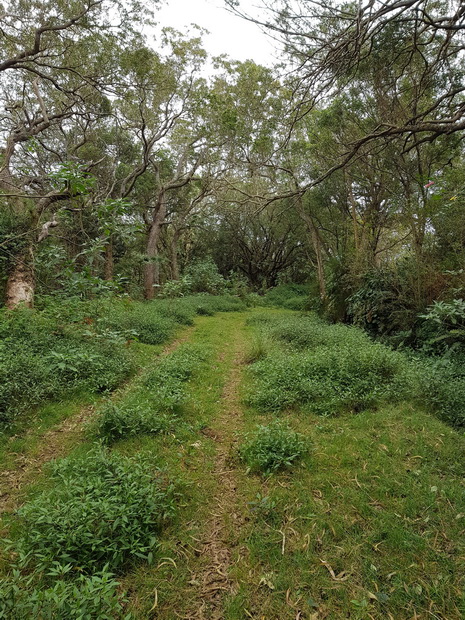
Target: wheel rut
{"type": "Point", "coordinates": [56, 442]}
{"type": "Point", "coordinates": [212, 582]}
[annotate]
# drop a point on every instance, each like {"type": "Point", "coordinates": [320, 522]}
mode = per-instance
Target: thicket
{"type": "Point", "coordinates": [302, 361]}
{"type": "Point", "coordinates": [335, 368]}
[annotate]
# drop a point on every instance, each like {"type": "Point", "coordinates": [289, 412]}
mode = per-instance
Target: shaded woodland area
{"type": "Point", "coordinates": [125, 162]}
{"type": "Point", "coordinates": [232, 333]}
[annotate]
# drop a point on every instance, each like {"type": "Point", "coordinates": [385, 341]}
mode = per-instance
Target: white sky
{"type": "Point", "coordinates": [229, 34]}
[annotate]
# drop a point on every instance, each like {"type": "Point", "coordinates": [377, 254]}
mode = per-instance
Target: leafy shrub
{"type": "Point", "coordinates": [81, 345]}
{"type": "Point", "coordinates": [177, 367]}
{"type": "Point", "coordinates": [337, 369]}
{"type": "Point", "coordinates": [442, 388]}
{"type": "Point", "coordinates": [443, 328]}
{"type": "Point", "coordinates": [309, 331]}
{"type": "Point", "coordinates": [142, 320]}
{"type": "Point", "coordinates": [40, 358]}
{"type": "Point", "coordinates": [87, 597]}
{"type": "Point", "coordinates": [201, 276]}
{"type": "Point", "coordinates": [282, 294]}
{"type": "Point", "coordinates": [103, 509]}
{"type": "Point", "coordinates": [296, 303]}
{"type": "Point", "coordinates": [272, 447]}
{"type": "Point", "coordinates": [120, 420]}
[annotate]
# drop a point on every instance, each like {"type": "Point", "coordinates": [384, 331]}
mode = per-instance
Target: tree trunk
{"type": "Point", "coordinates": [109, 261]}
{"type": "Point", "coordinates": [20, 284]}
{"type": "Point", "coordinates": [316, 243]}
{"type": "Point", "coordinates": [174, 256]}
{"type": "Point", "coordinates": [152, 268]}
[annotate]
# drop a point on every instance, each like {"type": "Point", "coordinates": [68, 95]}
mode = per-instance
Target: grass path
{"type": "Point", "coordinates": [212, 581]}
{"type": "Point", "coordinates": [193, 579]}
{"type": "Point", "coordinates": [370, 526]}
{"type": "Point", "coordinates": [40, 446]}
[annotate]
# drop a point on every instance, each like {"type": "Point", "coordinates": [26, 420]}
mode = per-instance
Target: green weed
{"type": "Point", "coordinates": [96, 596]}
{"type": "Point", "coordinates": [102, 510]}
{"type": "Point", "coordinates": [272, 447]}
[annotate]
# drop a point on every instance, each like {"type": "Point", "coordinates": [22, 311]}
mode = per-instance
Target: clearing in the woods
{"type": "Point", "coordinates": [366, 519]}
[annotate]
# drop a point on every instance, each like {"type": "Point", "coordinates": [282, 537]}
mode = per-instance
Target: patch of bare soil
{"type": "Point", "coordinates": [55, 444]}
{"type": "Point", "coordinates": [212, 583]}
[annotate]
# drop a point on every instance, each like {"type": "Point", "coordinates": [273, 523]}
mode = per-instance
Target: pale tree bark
{"type": "Point", "coordinates": [152, 268]}
{"type": "Point", "coordinates": [20, 284]}
{"type": "Point", "coordinates": [174, 255]}
{"type": "Point", "coordinates": [109, 261]}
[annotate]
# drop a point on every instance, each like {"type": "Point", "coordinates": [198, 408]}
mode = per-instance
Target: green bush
{"type": "Point", "coordinates": [153, 408]}
{"type": "Point", "coordinates": [128, 419]}
{"type": "Point", "coordinates": [272, 447]}
{"type": "Point", "coordinates": [201, 276]}
{"type": "Point", "coordinates": [337, 368]}
{"type": "Point", "coordinates": [296, 303]}
{"type": "Point", "coordinates": [41, 359]}
{"type": "Point", "coordinates": [102, 510]}
{"type": "Point", "coordinates": [442, 388]}
{"type": "Point", "coordinates": [282, 294]}
{"type": "Point", "coordinates": [96, 596]}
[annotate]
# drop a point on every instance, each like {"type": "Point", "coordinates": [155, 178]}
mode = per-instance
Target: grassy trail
{"type": "Point", "coordinates": [46, 439]}
{"type": "Point", "coordinates": [368, 526]}
{"type": "Point", "coordinates": [193, 581]}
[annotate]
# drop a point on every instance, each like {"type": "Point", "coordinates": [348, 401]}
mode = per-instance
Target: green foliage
{"type": "Point", "coordinates": [153, 408]}
{"type": "Point", "coordinates": [103, 510]}
{"type": "Point", "coordinates": [443, 328]}
{"type": "Point", "coordinates": [201, 276]}
{"type": "Point", "coordinates": [272, 447]}
{"type": "Point", "coordinates": [441, 388]}
{"type": "Point", "coordinates": [131, 418]}
{"type": "Point", "coordinates": [296, 303]}
{"type": "Point", "coordinates": [144, 322]}
{"type": "Point", "coordinates": [74, 345]}
{"type": "Point", "coordinates": [72, 177]}
{"type": "Point", "coordinates": [290, 296]}
{"type": "Point", "coordinates": [86, 597]}
{"type": "Point", "coordinates": [41, 358]}
{"type": "Point", "coordinates": [338, 369]}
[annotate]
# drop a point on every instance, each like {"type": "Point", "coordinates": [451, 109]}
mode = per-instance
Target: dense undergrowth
{"type": "Point", "coordinates": [327, 369]}
{"type": "Point", "coordinates": [107, 511]}
{"type": "Point", "coordinates": [349, 363]}
{"type": "Point", "coordinates": [101, 512]}
{"type": "Point", "coordinates": [74, 345]}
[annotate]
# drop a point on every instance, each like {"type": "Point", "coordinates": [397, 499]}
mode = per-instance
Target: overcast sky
{"type": "Point", "coordinates": [230, 35]}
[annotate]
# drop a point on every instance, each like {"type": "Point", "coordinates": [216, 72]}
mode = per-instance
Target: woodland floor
{"type": "Point", "coordinates": [369, 526]}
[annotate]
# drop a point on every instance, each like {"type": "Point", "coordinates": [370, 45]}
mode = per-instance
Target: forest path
{"type": "Point", "coordinates": [26, 466]}
{"type": "Point", "coordinates": [211, 580]}
{"type": "Point", "coordinates": [196, 579]}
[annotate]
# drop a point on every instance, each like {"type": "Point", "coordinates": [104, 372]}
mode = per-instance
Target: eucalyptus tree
{"type": "Point", "coordinates": [46, 90]}
{"type": "Point", "coordinates": [329, 44]}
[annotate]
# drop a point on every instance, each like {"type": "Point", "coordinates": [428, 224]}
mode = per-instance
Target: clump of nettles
{"type": "Point", "coordinates": [272, 447]}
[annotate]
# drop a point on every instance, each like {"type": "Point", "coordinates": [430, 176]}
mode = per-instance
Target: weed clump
{"type": "Point", "coordinates": [155, 406]}
{"type": "Point", "coordinates": [41, 358]}
{"type": "Point", "coordinates": [102, 510]}
{"type": "Point", "coordinates": [117, 421]}
{"type": "Point", "coordinates": [335, 369]}
{"type": "Point", "coordinates": [272, 447]}
{"type": "Point", "coordinates": [93, 596]}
